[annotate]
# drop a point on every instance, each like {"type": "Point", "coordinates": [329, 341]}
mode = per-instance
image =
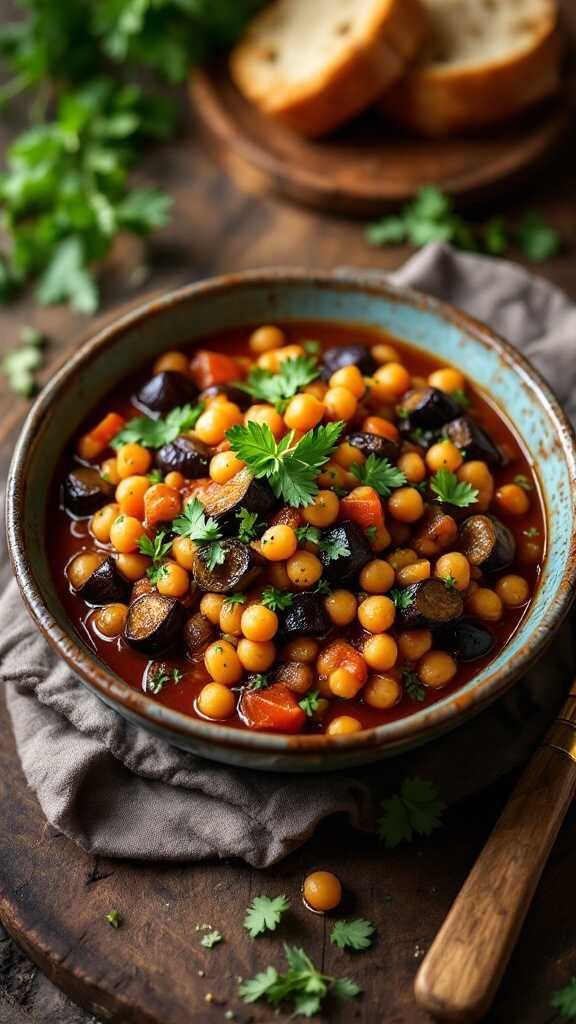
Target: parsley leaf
{"type": "Point", "coordinates": [564, 1000]}
{"type": "Point", "coordinates": [402, 597]}
{"type": "Point", "coordinates": [379, 474]}
{"type": "Point", "coordinates": [415, 689]}
{"type": "Point", "coordinates": [114, 919]}
{"type": "Point", "coordinates": [356, 934]}
{"type": "Point", "coordinates": [156, 433]}
{"type": "Point", "coordinates": [276, 600]}
{"type": "Point", "coordinates": [416, 809]}
{"type": "Point", "coordinates": [161, 676]}
{"type": "Point", "coordinates": [264, 914]}
{"type": "Point", "coordinates": [156, 549]}
{"type": "Point", "coordinates": [233, 599]}
{"type": "Point", "coordinates": [212, 554]}
{"type": "Point", "coordinates": [524, 482]}
{"type": "Point", "coordinates": [210, 939]}
{"type": "Point", "coordinates": [290, 469]}
{"type": "Point", "coordinates": [258, 681]}
{"type": "Point", "coordinates": [248, 526]}
{"type": "Point", "coordinates": [194, 523]}
{"type": "Point", "coordinates": [19, 365]}
{"type": "Point", "coordinates": [277, 388]}
{"type": "Point", "coordinates": [308, 533]}
{"type": "Point", "coordinates": [461, 397]}
{"type": "Point", "coordinates": [450, 490]}
{"type": "Point", "coordinates": [310, 703]}
{"type": "Point", "coordinates": [323, 588]}
{"type": "Point", "coordinates": [537, 239]}
{"type": "Point", "coordinates": [302, 984]}
{"type": "Point", "coordinates": [333, 549]}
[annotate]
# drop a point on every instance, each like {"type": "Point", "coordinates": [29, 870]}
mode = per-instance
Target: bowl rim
{"type": "Point", "coordinates": [416, 728]}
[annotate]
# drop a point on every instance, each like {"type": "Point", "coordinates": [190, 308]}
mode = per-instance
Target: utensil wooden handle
{"type": "Point", "coordinates": [463, 968]}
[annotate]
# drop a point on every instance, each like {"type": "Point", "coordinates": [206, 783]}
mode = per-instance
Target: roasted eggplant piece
{"type": "Point", "coordinates": [234, 394]}
{"type": "Point", "coordinates": [465, 639]}
{"type": "Point", "coordinates": [198, 633]}
{"type": "Point", "coordinates": [345, 568]}
{"type": "Point", "coordinates": [349, 355]}
{"type": "Point", "coordinates": [164, 391]}
{"type": "Point", "coordinates": [224, 501]}
{"type": "Point", "coordinates": [427, 409]}
{"type": "Point", "coordinates": [105, 584]}
{"type": "Point", "coordinates": [437, 532]}
{"type": "Point", "coordinates": [374, 444]}
{"type": "Point", "coordinates": [84, 491]}
{"type": "Point", "coordinates": [487, 543]}
{"type": "Point", "coordinates": [429, 603]}
{"type": "Point", "coordinates": [306, 616]}
{"type": "Point", "coordinates": [154, 623]}
{"type": "Point", "coordinates": [296, 675]}
{"type": "Point", "coordinates": [186, 455]}
{"type": "Point", "coordinates": [471, 438]}
{"type": "Point", "coordinates": [240, 568]}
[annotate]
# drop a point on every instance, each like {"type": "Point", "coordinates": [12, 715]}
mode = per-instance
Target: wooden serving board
{"type": "Point", "coordinates": [370, 165]}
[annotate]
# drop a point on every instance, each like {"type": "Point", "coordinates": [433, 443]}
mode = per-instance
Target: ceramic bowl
{"type": "Point", "coordinates": [279, 295]}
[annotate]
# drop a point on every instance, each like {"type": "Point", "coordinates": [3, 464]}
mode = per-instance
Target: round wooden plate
{"type": "Point", "coordinates": [369, 166]}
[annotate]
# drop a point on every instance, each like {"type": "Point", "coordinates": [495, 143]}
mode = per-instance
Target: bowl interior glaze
{"type": "Point", "coordinates": [281, 295]}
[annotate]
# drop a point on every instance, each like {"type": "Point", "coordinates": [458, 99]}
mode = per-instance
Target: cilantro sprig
{"type": "Point", "coordinates": [276, 600]}
{"type": "Point", "coordinates": [402, 598]}
{"type": "Point", "coordinates": [333, 549]}
{"type": "Point", "coordinates": [415, 810]}
{"type": "Point", "coordinates": [415, 690]}
{"type": "Point", "coordinates": [160, 677]}
{"type": "Point", "coordinates": [211, 939]}
{"type": "Point", "coordinates": [277, 388]}
{"type": "Point", "coordinates": [379, 474]}
{"type": "Point", "coordinates": [451, 491]}
{"type": "Point", "coordinates": [564, 1000]}
{"type": "Point", "coordinates": [156, 433]}
{"type": "Point", "coordinates": [302, 984]}
{"type": "Point", "coordinates": [356, 934]}
{"type": "Point", "coordinates": [290, 467]}
{"type": "Point", "coordinates": [310, 703]}
{"type": "Point", "coordinates": [249, 528]}
{"type": "Point", "coordinates": [264, 914]}
{"type": "Point", "coordinates": [203, 530]}
{"type": "Point", "coordinates": [156, 548]}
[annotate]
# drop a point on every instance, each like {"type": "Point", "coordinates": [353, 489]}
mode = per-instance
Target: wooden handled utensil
{"type": "Point", "coordinates": [459, 977]}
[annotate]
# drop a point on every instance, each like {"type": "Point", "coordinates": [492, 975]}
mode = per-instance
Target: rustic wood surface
{"type": "Point", "coordinates": [56, 890]}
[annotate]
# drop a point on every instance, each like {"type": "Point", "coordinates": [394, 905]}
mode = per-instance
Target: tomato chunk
{"type": "Point", "coordinates": [275, 709]}
{"type": "Point", "coordinates": [341, 654]}
{"type": "Point", "coordinates": [363, 507]}
{"type": "Point", "coordinates": [96, 441]}
{"type": "Point", "coordinates": [209, 368]}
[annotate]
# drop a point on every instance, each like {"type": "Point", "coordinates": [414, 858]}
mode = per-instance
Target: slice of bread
{"type": "Point", "coordinates": [313, 64]}
{"type": "Point", "coordinates": [484, 61]}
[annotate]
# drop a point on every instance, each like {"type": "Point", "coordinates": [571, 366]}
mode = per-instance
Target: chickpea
{"type": "Point", "coordinates": [317, 388]}
{"type": "Point", "coordinates": [530, 552]}
{"type": "Point", "coordinates": [340, 404]}
{"type": "Point", "coordinates": [395, 377]}
{"type": "Point", "coordinates": [377, 577]}
{"type": "Point", "coordinates": [161, 504]}
{"type": "Point", "coordinates": [346, 455]}
{"type": "Point", "coordinates": [332, 475]}
{"type": "Point", "coordinates": [376, 614]}
{"type": "Point", "coordinates": [132, 460]}
{"type": "Point", "coordinates": [211, 606]}
{"type": "Point", "coordinates": [384, 354]}
{"type": "Point", "coordinates": [109, 471]}
{"type": "Point", "coordinates": [304, 569]}
{"type": "Point", "coordinates": [402, 557]}
{"type": "Point", "coordinates": [259, 623]}
{"type": "Point", "coordinates": [183, 552]}
{"type": "Point", "coordinates": [443, 455]}
{"type": "Point", "coordinates": [512, 499]}
{"type": "Point", "coordinates": [172, 362]}
{"type": "Point", "coordinates": [413, 467]}
{"type": "Point", "coordinates": [304, 412]}
{"type": "Point", "coordinates": [277, 575]}
{"type": "Point", "coordinates": [349, 377]}
{"type": "Point", "coordinates": [400, 533]}
{"type": "Point", "coordinates": [278, 543]}
{"type": "Point", "coordinates": [175, 480]}
{"type": "Point", "coordinates": [380, 540]}
{"type": "Point", "coordinates": [406, 505]}
{"type": "Point", "coordinates": [382, 691]}
{"type": "Point", "coordinates": [102, 521]}
{"type": "Point", "coordinates": [266, 415]}
{"type": "Point", "coordinates": [266, 339]}
{"type": "Point", "coordinates": [453, 566]}
{"type": "Point", "coordinates": [133, 567]}
{"type": "Point", "coordinates": [323, 509]}
{"type": "Point", "coordinates": [288, 352]}
{"type": "Point", "coordinates": [447, 379]}
{"type": "Point", "coordinates": [381, 427]}
{"type": "Point", "coordinates": [82, 566]}
{"type": "Point", "coordinates": [130, 495]}
{"type": "Point", "coordinates": [344, 683]}
{"type": "Point", "coordinates": [413, 644]}
{"type": "Point", "coordinates": [436, 669]}
{"type": "Point", "coordinates": [303, 648]}
{"type": "Point", "coordinates": [343, 725]}
{"type": "Point", "coordinates": [485, 604]}
{"type": "Point", "coordinates": [341, 606]}
{"type": "Point", "coordinates": [173, 580]}
{"type": "Point", "coordinates": [110, 619]}
{"type": "Point", "coordinates": [322, 891]}
{"type": "Point", "coordinates": [231, 618]}
{"type": "Point", "coordinates": [223, 663]}
{"type": "Point", "coordinates": [415, 573]}
{"type": "Point", "coordinates": [476, 474]}
{"type": "Point", "coordinates": [212, 424]}
{"type": "Point", "coordinates": [380, 652]}
{"type": "Point", "coordinates": [125, 533]}
{"type": "Point", "coordinates": [256, 657]}
{"type": "Point", "coordinates": [512, 590]}
{"type": "Point", "coordinates": [223, 466]}
{"type": "Point", "coordinates": [216, 701]}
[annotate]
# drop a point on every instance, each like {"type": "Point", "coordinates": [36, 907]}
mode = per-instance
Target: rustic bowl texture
{"type": "Point", "coordinates": [135, 339]}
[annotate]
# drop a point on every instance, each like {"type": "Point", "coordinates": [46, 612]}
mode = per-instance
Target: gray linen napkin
{"type": "Point", "coordinates": [116, 790]}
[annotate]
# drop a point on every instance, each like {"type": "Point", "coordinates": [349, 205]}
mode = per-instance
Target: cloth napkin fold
{"type": "Point", "coordinates": [120, 792]}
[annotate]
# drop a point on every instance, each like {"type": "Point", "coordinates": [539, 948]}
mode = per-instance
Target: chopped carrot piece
{"type": "Point", "coordinates": [209, 368]}
{"type": "Point", "coordinates": [341, 654]}
{"type": "Point", "coordinates": [363, 506]}
{"type": "Point", "coordinates": [275, 709]}
{"type": "Point", "coordinates": [96, 441]}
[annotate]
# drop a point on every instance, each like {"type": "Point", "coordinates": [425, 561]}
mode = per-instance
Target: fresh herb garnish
{"type": "Point", "coordinates": [20, 364]}
{"type": "Point", "coordinates": [308, 533]}
{"type": "Point", "coordinates": [564, 1000]}
{"type": "Point", "coordinates": [210, 939]}
{"type": "Point", "coordinates": [356, 934]}
{"type": "Point", "coordinates": [155, 476]}
{"type": "Point", "coordinates": [248, 526]}
{"type": "Point", "coordinates": [449, 582]}
{"type": "Point", "coordinates": [156, 433]}
{"type": "Point", "coordinates": [379, 474]}
{"type": "Point", "coordinates": [277, 388]}
{"type": "Point", "coordinates": [371, 532]}
{"type": "Point", "coordinates": [415, 810]}
{"type": "Point", "coordinates": [524, 482]}
{"type": "Point", "coordinates": [303, 984]}
{"type": "Point", "coordinates": [415, 690]}
{"type": "Point", "coordinates": [311, 347]}
{"type": "Point", "coordinates": [202, 529]}
{"type": "Point", "coordinates": [160, 677]}
{"type": "Point", "coordinates": [114, 918]}
{"type": "Point", "coordinates": [276, 600]}
{"type": "Point", "coordinates": [264, 914]}
{"type": "Point", "coordinates": [333, 549]}
{"type": "Point", "coordinates": [258, 681]}
{"type": "Point", "coordinates": [461, 398]}
{"type": "Point", "coordinates": [402, 598]}
{"type": "Point", "coordinates": [290, 468]}
{"type": "Point", "coordinates": [156, 549]}
{"type": "Point", "coordinates": [532, 531]}
{"type": "Point", "coordinates": [452, 491]}
{"type": "Point", "coordinates": [323, 588]}
{"type": "Point", "coordinates": [536, 238]}
{"type": "Point", "coordinates": [233, 599]}
{"type": "Point", "coordinates": [310, 703]}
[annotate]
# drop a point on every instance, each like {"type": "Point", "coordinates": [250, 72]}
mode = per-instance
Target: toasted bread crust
{"type": "Point", "coordinates": [436, 101]}
{"type": "Point", "coordinates": [342, 89]}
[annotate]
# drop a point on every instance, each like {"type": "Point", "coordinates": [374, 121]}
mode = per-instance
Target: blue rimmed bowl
{"type": "Point", "coordinates": [135, 339]}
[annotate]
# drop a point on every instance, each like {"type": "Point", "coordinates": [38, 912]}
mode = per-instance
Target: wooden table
{"type": "Point", "coordinates": [215, 228]}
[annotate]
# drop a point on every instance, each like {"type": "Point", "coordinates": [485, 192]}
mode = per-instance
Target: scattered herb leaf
{"type": "Point", "coordinates": [160, 677]}
{"type": "Point", "coordinates": [114, 918]}
{"type": "Point", "coordinates": [415, 810]}
{"type": "Point", "coordinates": [302, 984]}
{"type": "Point", "coordinates": [356, 934]}
{"type": "Point", "coordinates": [210, 939]}
{"type": "Point", "coordinates": [264, 914]}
